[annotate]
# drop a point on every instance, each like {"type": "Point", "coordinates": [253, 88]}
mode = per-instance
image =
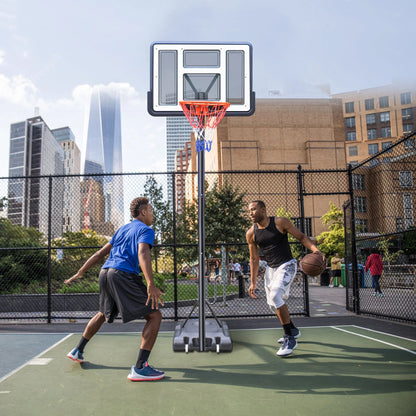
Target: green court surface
{"type": "Point", "coordinates": [344, 370]}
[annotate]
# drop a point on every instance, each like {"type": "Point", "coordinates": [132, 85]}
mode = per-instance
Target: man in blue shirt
{"type": "Point", "coordinates": [122, 289]}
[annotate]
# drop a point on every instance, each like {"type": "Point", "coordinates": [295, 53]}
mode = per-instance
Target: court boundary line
{"type": "Point", "coordinates": [37, 356]}
{"type": "Point", "coordinates": [381, 332]}
{"type": "Point", "coordinates": [375, 339]}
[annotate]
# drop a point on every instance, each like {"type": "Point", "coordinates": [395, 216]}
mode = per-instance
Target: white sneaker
{"type": "Point", "coordinates": [331, 286]}
{"type": "Point", "coordinates": [289, 344]}
{"type": "Point", "coordinates": [340, 286]}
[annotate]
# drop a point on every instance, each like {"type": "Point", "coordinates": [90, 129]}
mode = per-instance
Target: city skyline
{"type": "Point", "coordinates": [345, 46]}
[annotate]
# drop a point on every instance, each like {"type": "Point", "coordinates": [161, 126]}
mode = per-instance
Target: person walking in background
{"type": "Point", "coordinates": [375, 264]}
{"type": "Point", "coordinates": [122, 289]}
{"type": "Point", "coordinates": [335, 270]}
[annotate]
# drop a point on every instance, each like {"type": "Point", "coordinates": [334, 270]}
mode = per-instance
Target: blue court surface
{"type": "Point", "coordinates": [336, 369]}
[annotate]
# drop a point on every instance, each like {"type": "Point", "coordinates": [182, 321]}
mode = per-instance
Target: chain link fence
{"type": "Point", "coordinates": [49, 226]}
{"type": "Point", "coordinates": [382, 209]}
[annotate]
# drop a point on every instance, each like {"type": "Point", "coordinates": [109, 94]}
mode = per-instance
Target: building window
{"type": "Point", "coordinates": [17, 130]}
{"type": "Point", "coordinates": [407, 128]}
{"type": "Point", "coordinates": [385, 145]}
{"type": "Point", "coordinates": [409, 144]}
{"type": "Point", "coordinates": [385, 117]}
{"type": "Point", "coordinates": [405, 98]}
{"type": "Point", "coordinates": [349, 107]}
{"type": "Point", "coordinates": [373, 149]}
{"type": "Point", "coordinates": [384, 101]}
{"type": "Point", "coordinates": [405, 178]}
{"type": "Point", "coordinates": [399, 224]}
{"type": "Point", "coordinates": [371, 134]}
{"type": "Point", "coordinates": [406, 113]}
{"type": "Point", "coordinates": [385, 132]}
{"type": "Point", "coordinates": [350, 121]}
{"type": "Point", "coordinates": [371, 118]}
{"type": "Point", "coordinates": [369, 104]}
{"type": "Point", "coordinates": [360, 204]}
{"type": "Point", "coordinates": [351, 136]}
{"type": "Point", "coordinates": [354, 163]}
{"type": "Point", "coordinates": [308, 225]}
{"type": "Point", "coordinates": [358, 182]}
{"type": "Point", "coordinates": [361, 225]}
{"type": "Point", "coordinates": [353, 151]}
{"type": "Point", "coordinates": [408, 211]}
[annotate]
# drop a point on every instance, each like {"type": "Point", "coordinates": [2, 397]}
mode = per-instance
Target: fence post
{"type": "Point", "coordinates": [175, 260]}
{"type": "Point", "coordinates": [50, 252]}
{"type": "Point", "coordinates": [356, 291]}
{"type": "Point", "coordinates": [302, 228]}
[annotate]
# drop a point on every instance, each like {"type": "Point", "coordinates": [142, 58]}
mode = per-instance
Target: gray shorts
{"type": "Point", "coordinates": [124, 293]}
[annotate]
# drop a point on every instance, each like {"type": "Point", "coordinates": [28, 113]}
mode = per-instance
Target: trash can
{"type": "Point", "coordinates": [343, 278]}
{"type": "Point", "coordinates": [241, 286]}
{"type": "Point", "coordinates": [325, 277]}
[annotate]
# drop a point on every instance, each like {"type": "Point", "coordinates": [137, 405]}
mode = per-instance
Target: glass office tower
{"type": "Point", "coordinates": [103, 155]}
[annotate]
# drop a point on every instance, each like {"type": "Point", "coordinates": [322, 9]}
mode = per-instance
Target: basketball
{"type": "Point", "coordinates": [313, 264]}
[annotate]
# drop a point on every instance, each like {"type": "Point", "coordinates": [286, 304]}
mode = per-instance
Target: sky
{"type": "Point", "coordinates": [52, 52]}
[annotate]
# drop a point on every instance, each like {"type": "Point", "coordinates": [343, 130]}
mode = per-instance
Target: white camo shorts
{"type": "Point", "coordinates": [277, 283]}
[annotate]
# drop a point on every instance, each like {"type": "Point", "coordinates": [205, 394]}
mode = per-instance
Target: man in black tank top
{"type": "Point", "coordinates": [271, 235]}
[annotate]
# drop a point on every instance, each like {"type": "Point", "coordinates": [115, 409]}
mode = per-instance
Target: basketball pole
{"type": "Point", "coordinates": [201, 241]}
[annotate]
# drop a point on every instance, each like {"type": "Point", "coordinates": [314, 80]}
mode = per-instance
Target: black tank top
{"type": "Point", "coordinates": [273, 244]}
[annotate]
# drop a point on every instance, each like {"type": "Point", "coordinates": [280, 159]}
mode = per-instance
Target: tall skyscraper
{"type": "Point", "coordinates": [72, 190]}
{"type": "Point", "coordinates": [35, 152]}
{"type": "Point", "coordinates": [103, 155]}
{"type": "Point", "coordinates": [178, 132]}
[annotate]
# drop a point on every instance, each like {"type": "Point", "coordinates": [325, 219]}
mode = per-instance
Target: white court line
{"type": "Point", "coordinates": [375, 339]}
{"type": "Point", "coordinates": [37, 356]}
{"type": "Point", "coordinates": [384, 333]}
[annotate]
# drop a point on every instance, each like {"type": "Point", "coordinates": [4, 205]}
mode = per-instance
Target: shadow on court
{"type": "Point", "coordinates": [330, 372]}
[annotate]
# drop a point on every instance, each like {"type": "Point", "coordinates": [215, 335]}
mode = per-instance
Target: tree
{"type": "Point", "coordinates": [333, 241]}
{"type": "Point", "coordinates": [23, 259]}
{"type": "Point", "coordinates": [385, 245]}
{"type": "Point", "coordinates": [225, 221]}
{"type": "Point", "coordinates": [162, 215]}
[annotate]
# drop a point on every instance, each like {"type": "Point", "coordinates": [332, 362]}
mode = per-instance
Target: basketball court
{"type": "Point", "coordinates": [344, 369]}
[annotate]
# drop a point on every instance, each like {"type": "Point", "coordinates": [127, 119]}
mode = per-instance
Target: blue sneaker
{"type": "Point", "coordinates": [289, 344]}
{"type": "Point", "coordinates": [146, 373]}
{"type": "Point", "coordinates": [294, 332]}
{"type": "Point", "coordinates": [76, 355]}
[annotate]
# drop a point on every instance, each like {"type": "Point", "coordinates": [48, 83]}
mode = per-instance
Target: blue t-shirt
{"type": "Point", "coordinates": [124, 254]}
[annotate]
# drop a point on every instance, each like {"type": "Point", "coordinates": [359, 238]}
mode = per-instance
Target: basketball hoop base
{"type": "Point", "coordinates": [217, 336]}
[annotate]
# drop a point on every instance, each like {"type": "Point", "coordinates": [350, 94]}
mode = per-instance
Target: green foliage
{"type": "Point", "coordinates": [20, 267]}
{"type": "Point", "coordinates": [388, 254]}
{"type": "Point", "coordinates": [225, 221]}
{"type": "Point", "coordinates": [409, 242]}
{"type": "Point", "coordinates": [295, 246]}
{"type": "Point", "coordinates": [332, 241]}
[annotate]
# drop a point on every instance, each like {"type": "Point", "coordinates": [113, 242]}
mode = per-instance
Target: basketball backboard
{"type": "Point", "coordinates": [188, 71]}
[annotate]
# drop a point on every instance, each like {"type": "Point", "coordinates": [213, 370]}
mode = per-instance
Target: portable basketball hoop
{"type": "Point", "coordinates": [203, 80]}
{"type": "Point", "coordinates": [204, 117]}
{"type": "Point", "coordinates": [213, 335]}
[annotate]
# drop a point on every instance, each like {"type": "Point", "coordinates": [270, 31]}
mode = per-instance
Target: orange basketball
{"type": "Point", "coordinates": [313, 264]}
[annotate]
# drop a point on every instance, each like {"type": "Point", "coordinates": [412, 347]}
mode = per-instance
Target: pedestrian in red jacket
{"type": "Point", "coordinates": [375, 264]}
